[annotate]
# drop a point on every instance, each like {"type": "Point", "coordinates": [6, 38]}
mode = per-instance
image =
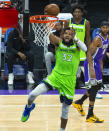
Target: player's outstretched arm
{"type": "Point", "coordinates": [92, 49]}
{"type": "Point", "coordinates": [54, 39]}
{"type": "Point", "coordinates": [80, 44]}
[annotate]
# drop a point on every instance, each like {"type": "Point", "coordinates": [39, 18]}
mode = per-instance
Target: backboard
{"type": "Point", "coordinates": [8, 17]}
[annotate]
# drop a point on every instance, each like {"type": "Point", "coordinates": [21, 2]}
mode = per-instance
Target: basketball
{"type": "Point", "coordinates": [52, 9]}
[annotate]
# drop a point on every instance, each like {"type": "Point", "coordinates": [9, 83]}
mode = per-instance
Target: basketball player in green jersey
{"type": "Point", "coordinates": [63, 76]}
{"type": "Point", "coordinates": [82, 29]}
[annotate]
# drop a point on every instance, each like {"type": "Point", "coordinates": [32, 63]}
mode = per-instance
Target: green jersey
{"type": "Point", "coordinates": [67, 59]}
{"type": "Point", "coordinates": [80, 33]}
{"type": "Point", "coordinates": [63, 76]}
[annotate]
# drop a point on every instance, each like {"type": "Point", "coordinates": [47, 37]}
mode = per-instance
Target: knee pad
{"type": "Point", "coordinates": [40, 89]}
{"type": "Point", "coordinates": [65, 111]}
{"type": "Point", "coordinates": [92, 92]}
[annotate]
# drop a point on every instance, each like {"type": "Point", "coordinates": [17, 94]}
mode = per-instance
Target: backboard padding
{"type": "Point", "coordinates": [8, 17]}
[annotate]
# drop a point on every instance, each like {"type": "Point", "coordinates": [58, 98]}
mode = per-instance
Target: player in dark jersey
{"type": "Point", "coordinates": [93, 67]}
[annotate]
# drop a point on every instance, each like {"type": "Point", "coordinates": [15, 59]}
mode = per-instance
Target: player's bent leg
{"type": "Point", "coordinates": [41, 88]}
{"type": "Point", "coordinates": [92, 93]}
{"type": "Point", "coordinates": [91, 117]}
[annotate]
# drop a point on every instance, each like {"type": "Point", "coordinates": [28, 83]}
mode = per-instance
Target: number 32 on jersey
{"type": "Point", "coordinates": [67, 57]}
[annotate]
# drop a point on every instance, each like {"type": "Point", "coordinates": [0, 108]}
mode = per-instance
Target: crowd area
{"type": "Point", "coordinates": [15, 48]}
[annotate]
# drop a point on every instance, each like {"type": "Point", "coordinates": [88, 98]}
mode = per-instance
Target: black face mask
{"type": "Point", "coordinates": [70, 43]}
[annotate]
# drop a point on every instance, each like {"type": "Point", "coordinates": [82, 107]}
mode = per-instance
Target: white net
{"type": "Point", "coordinates": [42, 30]}
{"type": "Point", "coordinates": [42, 33]}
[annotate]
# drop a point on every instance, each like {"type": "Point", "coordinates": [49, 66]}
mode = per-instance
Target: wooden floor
{"type": "Point", "coordinates": [46, 116]}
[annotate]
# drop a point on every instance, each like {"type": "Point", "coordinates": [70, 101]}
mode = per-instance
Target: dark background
{"type": "Point", "coordinates": [37, 6]}
{"type": "Point", "coordinates": [97, 10]}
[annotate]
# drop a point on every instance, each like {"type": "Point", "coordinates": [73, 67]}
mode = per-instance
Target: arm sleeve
{"type": "Point", "coordinates": [81, 45]}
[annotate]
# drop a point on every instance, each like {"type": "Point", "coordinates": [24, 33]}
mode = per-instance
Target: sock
{"type": "Point", "coordinates": [80, 101]}
{"type": "Point", "coordinates": [90, 111]}
{"type": "Point", "coordinates": [61, 129]}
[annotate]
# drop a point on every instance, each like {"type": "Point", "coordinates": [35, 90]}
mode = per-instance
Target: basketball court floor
{"type": "Point", "coordinates": [46, 115]}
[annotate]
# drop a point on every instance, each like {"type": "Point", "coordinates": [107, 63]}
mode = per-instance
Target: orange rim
{"type": "Point", "coordinates": [34, 19]}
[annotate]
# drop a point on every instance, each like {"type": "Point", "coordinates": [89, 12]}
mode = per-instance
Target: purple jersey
{"type": "Point", "coordinates": [97, 57]}
{"type": "Point", "coordinates": [100, 52]}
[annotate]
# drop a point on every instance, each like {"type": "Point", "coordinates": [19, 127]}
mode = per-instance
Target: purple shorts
{"type": "Point", "coordinates": [97, 68]}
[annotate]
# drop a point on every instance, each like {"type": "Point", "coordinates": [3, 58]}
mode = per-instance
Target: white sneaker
{"type": "Point", "coordinates": [30, 78]}
{"type": "Point", "coordinates": [10, 79]}
{"type": "Point", "coordinates": [99, 96]}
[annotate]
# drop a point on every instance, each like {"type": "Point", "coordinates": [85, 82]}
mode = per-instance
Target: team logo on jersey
{"type": "Point", "coordinates": [66, 48]}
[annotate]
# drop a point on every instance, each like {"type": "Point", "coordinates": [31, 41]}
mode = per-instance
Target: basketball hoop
{"type": "Point", "coordinates": [42, 26]}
